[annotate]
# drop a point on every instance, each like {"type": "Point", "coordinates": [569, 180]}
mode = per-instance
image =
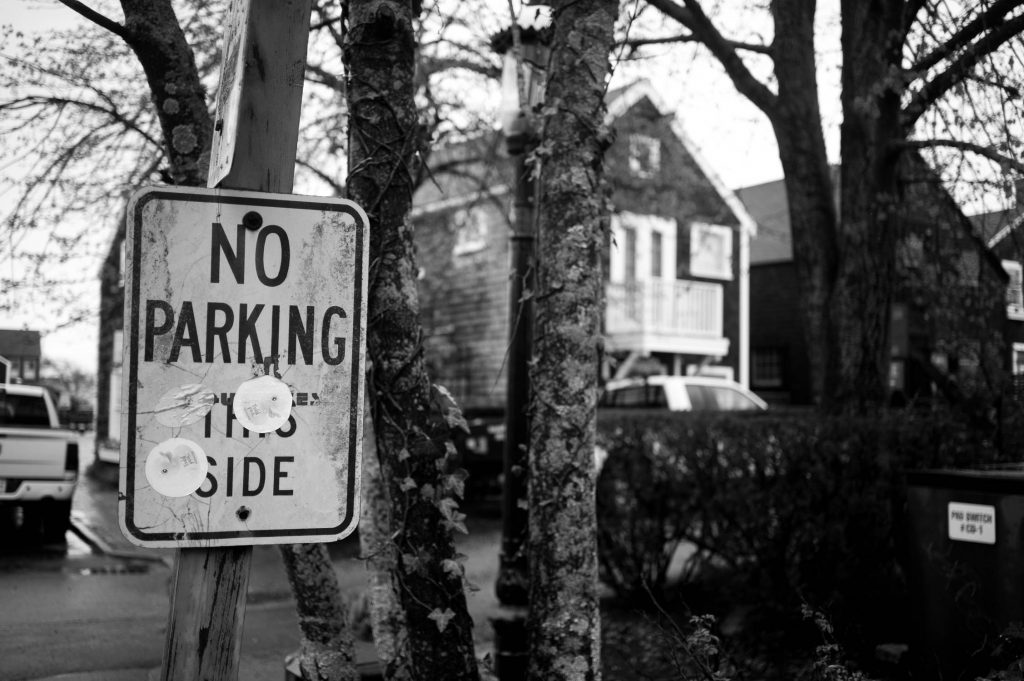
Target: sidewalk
{"type": "Point", "coordinates": [270, 630]}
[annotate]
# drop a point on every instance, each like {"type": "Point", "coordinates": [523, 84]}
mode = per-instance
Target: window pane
{"type": "Point", "coordinates": [630, 235]}
{"type": "Point", "coordinates": [732, 400]}
{"type": "Point", "coordinates": [656, 254]}
{"type": "Point", "coordinates": [700, 398]}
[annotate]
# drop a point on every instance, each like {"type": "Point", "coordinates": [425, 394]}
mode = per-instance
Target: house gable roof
{"type": "Point", "coordinates": [620, 101]}
{"type": "Point", "coordinates": [623, 99]}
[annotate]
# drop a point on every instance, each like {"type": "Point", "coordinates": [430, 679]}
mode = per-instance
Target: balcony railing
{"type": "Point", "coordinates": [665, 307]}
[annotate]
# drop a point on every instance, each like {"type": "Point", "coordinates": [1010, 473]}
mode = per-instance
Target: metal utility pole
{"type": "Point", "coordinates": [512, 587]}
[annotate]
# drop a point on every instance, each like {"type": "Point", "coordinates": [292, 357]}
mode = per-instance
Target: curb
{"type": "Point", "coordinates": [99, 545]}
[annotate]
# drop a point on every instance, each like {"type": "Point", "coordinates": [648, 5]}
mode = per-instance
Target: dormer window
{"type": "Point", "coordinates": [644, 155]}
{"type": "Point", "coordinates": [470, 226]}
{"type": "Point", "coordinates": [710, 251]}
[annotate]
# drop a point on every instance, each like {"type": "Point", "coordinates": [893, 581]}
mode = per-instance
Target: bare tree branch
{"type": "Point", "coordinates": [988, 19]}
{"type": "Point", "coordinates": [98, 19]}
{"type": "Point", "coordinates": [958, 70]}
{"type": "Point", "coordinates": [691, 16]}
{"type": "Point", "coordinates": [691, 38]}
{"type": "Point", "coordinates": [980, 149]}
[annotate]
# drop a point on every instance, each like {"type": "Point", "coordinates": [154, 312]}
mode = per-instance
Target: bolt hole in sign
{"type": "Point", "coordinates": [242, 393]}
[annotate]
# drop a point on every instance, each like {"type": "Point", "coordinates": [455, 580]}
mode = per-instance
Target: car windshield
{"type": "Point", "coordinates": [718, 398]}
{"type": "Point", "coordinates": [23, 410]}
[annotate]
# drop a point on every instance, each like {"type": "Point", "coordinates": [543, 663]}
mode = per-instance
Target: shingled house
{"type": "Point", "coordinates": [677, 290]}
{"type": "Point", "coordinates": [947, 324]}
{"type": "Point", "coordinates": [22, 350]}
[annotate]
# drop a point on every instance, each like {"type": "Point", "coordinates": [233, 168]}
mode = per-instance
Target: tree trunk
{"type": "Point", "coordinates": [862, 297]}
{"type": "Point", "coordinates": [153, 33]}
{"type": "Point", "coordinates": [564, 620]}
{"type": "Point", "coordinates": [386, 616]}
{"type": "Point", "coordinates": [412, 417]}
{"type": "Point", "coordinates": [327, 652]}
{"type": "Point", "coordinates": [796, 120]}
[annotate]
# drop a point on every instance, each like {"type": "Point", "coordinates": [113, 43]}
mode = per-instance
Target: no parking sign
{"type": "Point", "coordinates": [245, 319]}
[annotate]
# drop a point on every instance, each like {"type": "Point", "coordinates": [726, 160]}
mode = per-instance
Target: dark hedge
{"type": "Point", "coordinates": [793, 508]}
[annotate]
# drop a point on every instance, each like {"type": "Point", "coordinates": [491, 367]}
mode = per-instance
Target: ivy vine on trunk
{"type": "Point", "coordinates": [412, 417]}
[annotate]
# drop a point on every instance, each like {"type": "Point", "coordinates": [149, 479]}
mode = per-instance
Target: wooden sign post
{"type": "Point", "coordinates": [255, 150]}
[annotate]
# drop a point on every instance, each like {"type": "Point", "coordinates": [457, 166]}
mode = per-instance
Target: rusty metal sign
{"type": "Point", "coordinates": [242, 401]}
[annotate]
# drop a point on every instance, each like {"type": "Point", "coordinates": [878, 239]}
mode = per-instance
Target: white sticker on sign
{"type": "Point", "coordinates": [263, 404]}
{"type": "Point", "coordinates": [972, 522]}
{"type": "Point", "coordinates": [176, 467]}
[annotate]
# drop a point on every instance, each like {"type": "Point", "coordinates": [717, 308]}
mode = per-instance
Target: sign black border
{"type": "Point", "coordinates": [349, 522]}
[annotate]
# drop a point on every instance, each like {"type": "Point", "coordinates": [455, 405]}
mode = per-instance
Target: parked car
{"type": "Point", "coordinates": [38, 460]}
{"type": "Point", "coordinates": [680, 393]}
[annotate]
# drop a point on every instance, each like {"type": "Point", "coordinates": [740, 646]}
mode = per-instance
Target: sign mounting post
{"type": "Point", "coordinates": [170, 456]}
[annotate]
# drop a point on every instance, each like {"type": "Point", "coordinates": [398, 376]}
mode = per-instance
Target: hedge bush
{"type": "Point", "coordinates": [795, 507]}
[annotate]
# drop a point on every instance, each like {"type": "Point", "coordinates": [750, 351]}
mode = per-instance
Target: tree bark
{"type": "Point", "coordinates": [326, 652]}
{"type": "Point", "coordinates": [796, 119]}
{"type": "Point", "coordinates": [564, 620]}
{"type": "Point", "coordinates": [872, 42]}
{"type": "Point", "coordinates": [386, 616]}
{"type": "Point", "coordinates": [152, 30]}
{"type": "Point", "coordinates": [411, 416]}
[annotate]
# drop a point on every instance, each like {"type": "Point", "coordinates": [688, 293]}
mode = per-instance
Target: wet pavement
{"type": "Point", "coordinates": [96, 607]}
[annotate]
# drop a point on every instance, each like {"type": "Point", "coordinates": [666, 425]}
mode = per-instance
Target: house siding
{"type": "Point", "coordinates": [464, 297]}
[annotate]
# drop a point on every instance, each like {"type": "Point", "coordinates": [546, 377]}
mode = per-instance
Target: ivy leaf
{"type": "Point", "coordinates": [453, 519]}
{"type": "Point", "coordinates": [403, 455]}
{"type": "Point", "coordinates": [452, 568]}
{"type": "Point", "coordinates": [449, 409]}
{"type": "Point", "coordinates": [408, 484]}
{"type": "Point", "coordinates": [441, 618]}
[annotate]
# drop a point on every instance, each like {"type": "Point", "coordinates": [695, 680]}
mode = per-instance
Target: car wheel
{"type": "Point", "coordinates": [56, 520]}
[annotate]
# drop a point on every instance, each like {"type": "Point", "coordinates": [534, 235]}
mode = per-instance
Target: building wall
{"type": "Point", "coordinates": [111, 325]}
{"type": "Point", "coordinates": [464, 301]}
{"type": "Point", "coordinates": [775, 333]}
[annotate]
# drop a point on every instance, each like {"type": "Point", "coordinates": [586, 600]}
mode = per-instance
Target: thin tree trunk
{"type": "Point", "coordinates": [326, 652]}
{"type": "Point", "coordinates": [151, 29]}
{"type": "Point", "coordinates": [412, 417]}
{"type": "Point", "coordinates": [386, 615]}
{"type": "Point", "coordinates": [564, 621]}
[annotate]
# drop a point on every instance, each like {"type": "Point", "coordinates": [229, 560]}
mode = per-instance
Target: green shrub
{"type": "Point", "coordinates": [798, 508]}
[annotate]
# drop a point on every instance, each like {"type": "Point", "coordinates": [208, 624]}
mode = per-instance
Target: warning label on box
{"type": "Point", "coordinates": [972, 522]}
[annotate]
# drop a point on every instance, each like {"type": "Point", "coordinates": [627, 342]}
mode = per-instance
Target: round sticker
{"type": "Point", "coordinates": [176, 467]}
{"type": "Point", "coordinates": [263, 404]}
{"type": "Point", "coordinates": [184, 405]}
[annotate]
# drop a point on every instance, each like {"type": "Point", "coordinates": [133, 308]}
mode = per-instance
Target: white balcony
{"type": "Point", "coordinates": [661, 315]}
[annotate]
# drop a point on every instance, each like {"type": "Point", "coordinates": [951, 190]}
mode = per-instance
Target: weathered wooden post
{"type": "Point", "coordinates": [264, 62]}
{"type": "Point", "coordinates": [245, 316]}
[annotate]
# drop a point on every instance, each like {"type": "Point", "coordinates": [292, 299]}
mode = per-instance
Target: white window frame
{"type": "Point", "coordinates": [644, 155]}
{"type": "Point", "coordinates": [702, 261]}
{"type": "Point", "coordinates": [1016, 351]}
{"type": "Point", "coordinates": [1014, 290]}
{"type": "Point", "coordinates": [470, 230]}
